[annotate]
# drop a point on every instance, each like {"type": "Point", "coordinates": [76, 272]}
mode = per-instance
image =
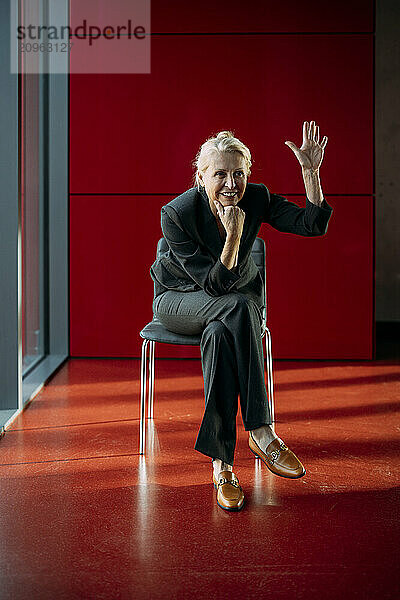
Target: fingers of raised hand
{"type": "Point", "coordinates": [311, 133]}
{"type": "Point", "coordinates": [305, 132]}
{"type": "Point", "coordinates": [294, 148]}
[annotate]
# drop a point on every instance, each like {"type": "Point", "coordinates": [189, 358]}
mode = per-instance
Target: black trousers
{"type": "Point", "coordinates": [232, 361]}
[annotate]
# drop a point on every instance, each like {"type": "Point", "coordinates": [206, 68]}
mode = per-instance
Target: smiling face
{"type": "Point", "coordinates": [225, 178]}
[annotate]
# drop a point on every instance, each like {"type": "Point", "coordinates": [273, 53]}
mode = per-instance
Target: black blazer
{"type": "Point", "coordinates": [192, 261]}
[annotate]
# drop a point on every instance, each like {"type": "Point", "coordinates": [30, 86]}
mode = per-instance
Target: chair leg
{"type": "Point", "coordinates": [270, 381]}
{"type": "Point", "coordinates": [151, 380]}
{"type": "Point", "coordinates": [143, 397]}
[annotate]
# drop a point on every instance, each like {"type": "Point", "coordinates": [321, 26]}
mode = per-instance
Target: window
{"type": "Point", "coordinates": [34, 220]}
{"type": "Point", "coordinates": [32, 181]}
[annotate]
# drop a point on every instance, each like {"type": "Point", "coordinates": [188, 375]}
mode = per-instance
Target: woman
{"type": "Point", "coordinates": [207, 283]}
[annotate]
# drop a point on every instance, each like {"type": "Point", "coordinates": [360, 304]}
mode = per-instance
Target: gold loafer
{"type": "Point", "coordinates": [230, 495]}
{"type": "Point", "coordinates": [278, 458]}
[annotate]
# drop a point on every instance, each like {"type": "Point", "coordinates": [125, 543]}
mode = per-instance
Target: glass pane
{"type": "Point", "coordinates": [32, 190]}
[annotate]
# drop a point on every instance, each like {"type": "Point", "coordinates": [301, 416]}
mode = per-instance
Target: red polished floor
{"type": "Point", "coordinates": [84, 516]}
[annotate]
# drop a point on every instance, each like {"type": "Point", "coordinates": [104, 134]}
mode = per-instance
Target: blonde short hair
{"type": "Point", "coordinates": [224, 141]}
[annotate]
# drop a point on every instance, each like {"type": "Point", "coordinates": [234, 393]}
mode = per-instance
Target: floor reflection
{"type": "Point", "coordinates": [264, 490]}
{"type": "Point", "coordinates": [145, 501]}
{"type": "Point", "coordinates": [152, 440]}
{"type": "Point", "coordinates": [146, 491]}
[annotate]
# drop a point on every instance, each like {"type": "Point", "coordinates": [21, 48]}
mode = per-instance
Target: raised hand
{"type": "Point", "coordinates": [311, 153]}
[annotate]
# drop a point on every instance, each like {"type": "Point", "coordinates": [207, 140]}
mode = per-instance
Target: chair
{"type": "Point", "coordinates": [155, 332]}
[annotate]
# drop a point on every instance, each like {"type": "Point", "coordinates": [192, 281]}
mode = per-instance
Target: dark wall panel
{"type": "Point", "coordinates": [139, 133]}
{"type": "Point", "coordinates": [319, 289]}
{"type": "Point", "coordinates": [113, 241]}
{"type": "Point", "coordinates": [133, 139]}
{"type": "Point", "coordinates": [262, 15]}
{"type": "Point", "coordinates": [235, 16]}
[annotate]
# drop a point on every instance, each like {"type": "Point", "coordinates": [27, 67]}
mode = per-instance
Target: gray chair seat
{"type": "Point", "coordinates": [156, 332]}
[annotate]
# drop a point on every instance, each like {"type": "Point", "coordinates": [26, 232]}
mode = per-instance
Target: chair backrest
{"type": "Point", "coordinates": [258, 255]}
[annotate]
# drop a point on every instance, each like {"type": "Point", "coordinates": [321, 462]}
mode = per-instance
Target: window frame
{"type": "Point", "coordinates": [18, 390]}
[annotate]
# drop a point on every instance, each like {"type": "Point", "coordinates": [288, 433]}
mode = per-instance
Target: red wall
{"type": "Point", "coordinates": [133, 138]}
